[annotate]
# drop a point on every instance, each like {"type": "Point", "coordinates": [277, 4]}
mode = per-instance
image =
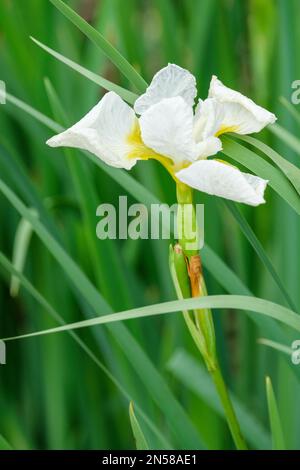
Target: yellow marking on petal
{"type": "Point", "coordinates": [225, 129]}
{"type": "Point", "coordinates": [140, 151]}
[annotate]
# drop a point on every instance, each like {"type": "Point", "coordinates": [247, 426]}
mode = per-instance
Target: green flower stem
{"type": "Point", "coordinates": [232, 421]}
{"type": "Point", "coordinates": [187, 275]}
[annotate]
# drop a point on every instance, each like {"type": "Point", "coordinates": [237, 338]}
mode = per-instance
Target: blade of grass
{"type": "Point", "coordinates": [4, 445]}
{"type": "Point", "coordinates": [265, 170]}
{"type": "Point", "coordinates": [20, 249]}
{"type": "Point", "coordinates": [34, 113]}
{"type": "Point", "coordinates": [287, 137]}
{"type": "Point", "coordinates": [275, 422]}
{"type": "Point", "coordinates": [257, 246]}
{"type": "Point", "coordinates": [288, 168]}
{"type": "Point", "coordinates": [291, 108]}
{"type": "Point", "coordinates": [201, 14]}
{"type": "Point", "coordinates": [120, 62]}
{"type": "Point", "coordinates": [274, 345]}
{"type": "Point", "coordinates": [238, 302]}
{"type": "Point", "coordinates": [170, 41]}
{"type": "Point", "coordinates": [140, 441]}
{"type": "Point", "coordinates": [102, 82]}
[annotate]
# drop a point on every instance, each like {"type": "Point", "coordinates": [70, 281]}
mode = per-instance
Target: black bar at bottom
{"type": "Point", "coordinates": [136, 459]}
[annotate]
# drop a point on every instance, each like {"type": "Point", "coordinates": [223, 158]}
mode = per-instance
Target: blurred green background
{"type": "Point", "coordinates": [52, 395]}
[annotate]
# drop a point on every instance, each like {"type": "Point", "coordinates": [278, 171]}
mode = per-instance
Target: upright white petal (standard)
{"type": "Point", "coordinates": [220, 179]}
{"type": "Point", "coordinates": [104, 131]}
{"type": "Point", "coordinates": [167, 128]}
{"type": "Point", "coordinates": [208, 119]}
{"type": "Point", "coordinates": [169, 82]}
{"type": "Point", "coordinates": [241, 114]}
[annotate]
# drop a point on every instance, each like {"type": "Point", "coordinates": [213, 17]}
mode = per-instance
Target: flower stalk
{"type": "Point", "coordinates": [188, 279]}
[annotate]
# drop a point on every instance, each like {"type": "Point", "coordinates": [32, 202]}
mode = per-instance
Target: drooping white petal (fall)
{"type": "Point", "coordinates": [240, 114]}
{"type": "Point", "coordinates": [221, 179]}
{"type": "Point", "coordinates": [167, 128]}
{"type": "Point", "coordinates": [104, 131]}
{"type": "Point", "coordinates": [169, 82]}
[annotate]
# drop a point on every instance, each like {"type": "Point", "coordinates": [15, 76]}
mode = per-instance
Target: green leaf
{"type": "Point", "coordinates": [265, 170]}
{"type": "Point", "coordinates": [106, 84]}
{"type": "Point", "coordinates": [290, 170]}
{"type": "Point", "coordinates": [140, 441]}
{"type": "Point", "coordinates": [239, 302]}
{"type": "Point", "coordinates": [40, 117]}
{"type": "Point", "coordinates": [4, 445]}
{"type": "Point", "coordinates": [275, 345]}
{"type": "Point", "coordinates": [291, 108]}
{"type": "Point", "coordinates": [275, 422]}
{"type": "Point", "coordinates": [253, 240]}
{"type": "Point", "coordinates": [20, 249]}
{"type": "Point", "coordinates": [169, 41]}
{"type": "Point", "coordinates": [113, 54]}
{"type": "Point", "coordinates": [201, 16]}
{"type": "Point", "coordinates": [286, 137]}
{"type": "Point", "coordinates": [193, 376]}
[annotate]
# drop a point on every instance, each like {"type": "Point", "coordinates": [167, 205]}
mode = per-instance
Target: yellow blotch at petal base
{"type": "Point", "coordinates": [226, 129]}
{"type": "Point", "coordinates": [140, 151]}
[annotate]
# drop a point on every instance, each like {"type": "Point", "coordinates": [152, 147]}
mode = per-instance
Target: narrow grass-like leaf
{"type": "Point", "coordinates": [106, 84]}
{"type": "Point", "coordinates": [291, 171]}
{"type": "Point", "coordinates": [201, 14]}
{"type": "Point", "coordinates": [275, 422]}
{"type": "Point", "coordinates": [4, 445]}
{"type": "Point", "coordinates": [251, 237]}
{"type": "Point", "coordinates": [274, 345]}
{"type": "Point", "coordinates": [140, 440]}
{"type": "Point", "coordinates": [291, 108]}
{"type": "Point", "coordinates": [287, 137]}
{"type": "Point", "coordinates": [40, 117]}
{"type": "Point", "coordinates": [170, 41]}
{"type": "Point", "coordinates": [238, 302]}
{"type": "Point", "coordinates": [20, 249]}
{"type": "Point", "coordinates": [113, 54]}
{"type": "Point", "coordinates": [265, 170]}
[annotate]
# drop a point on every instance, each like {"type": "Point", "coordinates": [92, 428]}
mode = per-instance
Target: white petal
{"type": "Point", "coordinates": [169, 82]}
{"type": "Point", "coordinates": [241, 114]}
{"type": "Point", "coordinates": [220, 179]}
{"type": "Point", "coordinates": [167, 128]}
{"type": "Point", "coordinates": [208, 119]}
{"type": "Point", "coordinates": [208, 148]}
{"type": "Point", "coordinates": [103, 131]}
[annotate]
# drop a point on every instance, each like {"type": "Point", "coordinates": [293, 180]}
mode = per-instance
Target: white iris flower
{"type": "Point", "coordinates": [169, 131]}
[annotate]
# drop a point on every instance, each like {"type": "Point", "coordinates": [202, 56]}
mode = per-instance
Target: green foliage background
{"type": "Point", "coordinates": [52, 395]}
